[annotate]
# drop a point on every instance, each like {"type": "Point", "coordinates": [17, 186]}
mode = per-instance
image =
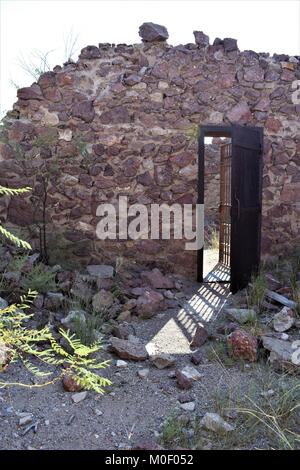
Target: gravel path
{"type": "Point", "coordinates": [133, 408]}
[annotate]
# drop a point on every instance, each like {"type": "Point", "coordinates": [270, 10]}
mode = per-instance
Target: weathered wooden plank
{"type": "Point", "coordinates": [280, 299]}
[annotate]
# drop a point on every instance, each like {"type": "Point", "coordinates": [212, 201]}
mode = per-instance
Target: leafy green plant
{"type": "Point", "coordinates": [40, 279]}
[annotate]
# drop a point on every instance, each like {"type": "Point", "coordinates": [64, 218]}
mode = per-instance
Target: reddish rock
{"type": "Point", "coordinates": [70, 384]}
{"type": "Point", "coordinates": [151, 32]}
{"type": "Point", "coordinates": [130, 167]}
{"type": "Point", "coordinates": [47, 79]}
{"type": "Point", "coordinates": [242, 345]}
{"type": "Point", "coordinates": [21, 131]}
{"type": "Point", "coordinates": [128, 350]}
{"type": "Point", "coordinates": [64, 79]}
{"type": "Point", "coordinates": [20, 212]}
{"type": "Point", "coordinates": [290, 192]}
{"type": "Point", "coordinates": [229, 44]}
{"type": "Point", "coordinates": [116, 115]}
{"type": "Point", "coordinates": [288, 75]}
{"type": "Point", "coordinates": [84, 110]}
{"type": "Point", "coordinates": [157, 280]}
{"type": "Point", "coordinates": [149, 303]}
{"type": "Point", "coordinates": [201, 39]}
{"type": "Point", "coordinates": [30, 93]}
{"type": "Point", "coordinates": [183, 382]}
{"type": "Point", "coordinates": [273, 125]}
{"type": "Point", "coordinates": [197, 357]}
{"type": "Point", "coordinates": [123, 330]}
{"type": "Point", "coordinates": [262, 105]}
{"type": "Point", "coordinates": [145, 179]}
{"type": "Point", "coordinates": [99, 149]}
{"type": "Point", "coordinates": [239, 113]}
{"type": "Point", "coordinates": [104, 183]}
{"type": "Point", "coordinates": [52, 94]}
{"type": "Point", "coordinates": [182, 159]}
{"type": "Point", "coordinates": [199, 338]}
{"type": "Point", "coordinates": [226, 80]}
{"type": "Point", "coordinates": [132, 79]}
{"type": "Point", "coordinates": [254, 74]}
{"type": "Point", "coordinates": [90, 52]}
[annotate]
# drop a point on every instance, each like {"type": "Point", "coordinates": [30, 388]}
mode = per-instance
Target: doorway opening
{"type": "Point", "coordinates": [232, 222]}
{"type": "Point", "coordinates": [217, 207]}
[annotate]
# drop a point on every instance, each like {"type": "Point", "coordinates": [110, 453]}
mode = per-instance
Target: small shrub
{"type": "Point", "coordinates": [256, 292]}
{"type": "Point", "coordinates": [39, 279]}
{"type": "Point", "coordinates": [88, 331]}
{"type": "Point", "coordinates": [17, 263]}
{"type": "Point", "coordinates": [172, 433]}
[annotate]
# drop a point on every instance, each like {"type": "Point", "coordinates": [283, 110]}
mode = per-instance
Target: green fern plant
{"type": "Point", "coordinates": [40, 280]}
{"type": "Point", "coordinates": [25, 344]}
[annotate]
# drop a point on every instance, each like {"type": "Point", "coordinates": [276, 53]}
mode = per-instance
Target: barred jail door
{"type": "Point", "coordinates": [225, 204]}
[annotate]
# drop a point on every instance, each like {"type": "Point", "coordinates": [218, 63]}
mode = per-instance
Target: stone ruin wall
{"type": "Point", "coordinates": [122, 120]}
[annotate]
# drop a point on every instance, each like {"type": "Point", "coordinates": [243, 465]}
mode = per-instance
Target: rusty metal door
{"type": "Point", "coordinates": [225, 204]}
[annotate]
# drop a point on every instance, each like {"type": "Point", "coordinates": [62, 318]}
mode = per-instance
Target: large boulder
{"type": "Point", "coordinates": [151, 32]}
{"type": "Point", "coordinates": [242, 345]}
{"type": "Point", "coordinates": [126, 349]}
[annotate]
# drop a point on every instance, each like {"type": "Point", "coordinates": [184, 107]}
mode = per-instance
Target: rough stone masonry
{"type": "Point", "coordinates": [122, 120]}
